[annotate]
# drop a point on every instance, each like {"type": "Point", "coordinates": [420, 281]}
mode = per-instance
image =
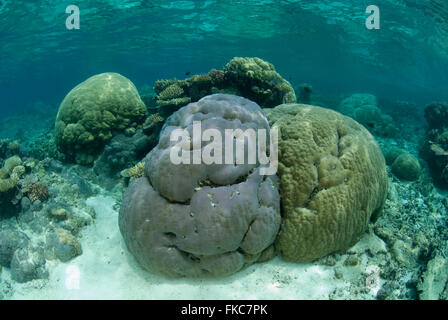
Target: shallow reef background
{"type": "Point", "coordinates": [324, 43]}
{"type": "Point", "coordinates": [59, 234]}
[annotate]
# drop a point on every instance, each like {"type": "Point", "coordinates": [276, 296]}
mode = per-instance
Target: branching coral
{"type": "Point", "coordinates": [217, 77]}
{"type": "Point", "coordinates": [171, 92]}
{"type": "Point", "coordinates": [37, 191]}
{"type": "Point", "coordinates": [137, 171]}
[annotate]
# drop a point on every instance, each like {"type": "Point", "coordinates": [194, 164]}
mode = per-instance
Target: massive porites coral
{"type": "Point", "coordinates": [364, 108]}
{"type": "Point", "coordinates": [332, 180]}
{"type": "Point", "coordinates": [93, 112]}
{"type": "Point", "coordinates": [202, 220]}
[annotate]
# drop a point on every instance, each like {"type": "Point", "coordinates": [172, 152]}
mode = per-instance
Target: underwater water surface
{"type": "Point", "coordinates": [82, 105]}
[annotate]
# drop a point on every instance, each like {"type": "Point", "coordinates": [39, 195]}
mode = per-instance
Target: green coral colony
{"type": "Point", "coordinates": [93, 112]}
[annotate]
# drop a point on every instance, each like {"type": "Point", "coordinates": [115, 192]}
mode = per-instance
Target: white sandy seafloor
{"type": "Point", "coordinates": [106, 270]}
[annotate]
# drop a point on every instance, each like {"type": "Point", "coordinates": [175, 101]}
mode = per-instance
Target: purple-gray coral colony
{"type": "Point", "coordinates": [199, 220]}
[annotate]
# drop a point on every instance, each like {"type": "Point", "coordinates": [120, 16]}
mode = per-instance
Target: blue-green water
{"type": "Point", "coordinates": [324, 43]}
{"type": "Point", "coordinates": [61, 193]}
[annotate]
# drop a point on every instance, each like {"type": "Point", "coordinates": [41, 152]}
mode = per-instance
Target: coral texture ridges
{"type": "Point", "coordinates": [332, 180]}
{"type": "Point", "coordinates": [93, 112]}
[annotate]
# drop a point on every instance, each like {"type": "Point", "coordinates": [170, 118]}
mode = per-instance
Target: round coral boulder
{"type": "Point", "coordinates": [332, 180]}
{"type": "Point", "coordinates": [93, 112]}
{"type": "Point", "coordinates": [202, 220]}
{"type": "Point", "coordinates": [406, 167]}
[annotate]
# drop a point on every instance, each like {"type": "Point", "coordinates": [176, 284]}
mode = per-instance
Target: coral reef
{"type": "Point", "coordinates": [135, 172]}
{"type": "Point", "coordinates": [9, 148]}
{"type": "Point", "coordinates": [217, 77]}
{"type": "Point", "coordinates": [392, 154]}
{"type": "Point", "coordinates": [332, 180]}
{"type": "Point", "coordinates": [61, 244]}
{"type": "Point", "coordinates": [401, 256]}
{"type": "Point", "coordinates": [434, 281]}
{"type": "Point", "coordinates": [435, 146]}
{"type": "Point", "coordinates": [37, 191]}
{"type": "Point", "coordinates": [252, 78]}
{"type": "Point", "coordinates": [93, 112]}
{"type": "Point", "coordinates": [41, 216]}
{"type": "Point", "coordinates": [205, 220]}
{"type": "Point", "coordinates": [413, 226]}
{"type": "Point", "coordinates": [122, 152]}
{"type": "Point", "coordinates": [153, 125]}
{"type": "Point", "coordinates": [44, 146]}
{"type": "Point", "coordinates": [172, 95]}
{"type": "Point", "coordinates": [436, 115]}
{"type": "Point", "coordinates": [171, 92]}
{"type": "Point", "coordinates": [126, 150]}
{"type": "Point", "coordinates": [148, 96]}
{"type": "Point", "coordinates": [257, 80]}
{"type": "Point", "coordinates": [364, 109]}
{"type": "Point", "coordinates": [10, 174]}
{"type": "Point", "coordinates": [28, 264]}
{"type": "Point", "coordinates": [10, 241]}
